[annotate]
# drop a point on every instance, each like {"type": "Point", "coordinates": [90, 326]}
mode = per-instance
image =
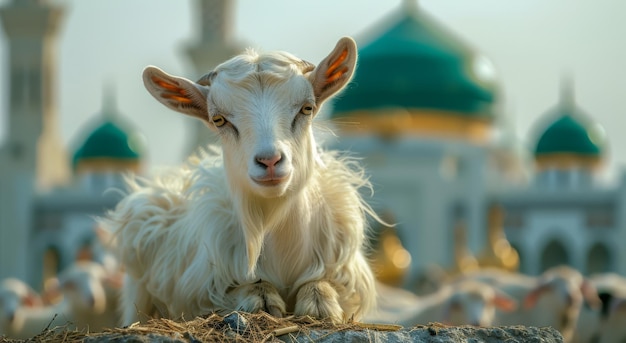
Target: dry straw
{"type": "Point", "coordinates": [259, 327]}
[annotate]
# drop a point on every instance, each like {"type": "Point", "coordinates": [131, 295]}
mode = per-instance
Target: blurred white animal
{"type": "Point", "coordinates": [463, 303]}
{"type": "Point", "coordinates": [15, 295]}
{"type": "Point", "coordinates": [272, 223]}
{"type": "Point", "coordinates": [22, 313]}
{"type": "Point", "coordinates": [606, 324]}
{"type": "Point", "coordinates": [552, 299]}
{"type": "Point", "coordinates": [93, 292]}
{"type": "Point", "coordinates": [88, 303]}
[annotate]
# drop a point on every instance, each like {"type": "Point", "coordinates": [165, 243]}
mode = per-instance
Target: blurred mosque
{"type": "Point", "coordinates": [423, 112]}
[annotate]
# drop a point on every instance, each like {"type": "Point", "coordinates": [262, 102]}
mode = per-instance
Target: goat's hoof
{"type": "Point", "coordinates": [261, 296]}
{"type": "Point", "coordinates": [319, 300]}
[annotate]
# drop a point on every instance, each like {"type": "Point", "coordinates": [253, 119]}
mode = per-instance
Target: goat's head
{"type": "Point", "coordinates": [475, 303]}
{"type": "Point", "coordinates": [82, 285]}
{"type": "Point", "coordinates": [568, 287]}
{"type": "Point", "coordinates": [15, 294]}
{"type": "Point", "coordinates": [261, 105]}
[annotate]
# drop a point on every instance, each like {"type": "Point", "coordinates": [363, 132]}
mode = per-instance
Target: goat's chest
{"type": "Point", "coordinates": [288, 257]}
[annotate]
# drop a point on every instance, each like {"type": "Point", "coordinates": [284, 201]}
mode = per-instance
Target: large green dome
{"type": "Point", "coordinates": [111, 139]}
{"type": "Point", "coordinates": [571, 131]}
{"type": "Point", "coordinates": [415, 63]}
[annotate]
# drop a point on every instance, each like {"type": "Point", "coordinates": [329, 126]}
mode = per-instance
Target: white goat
{"type": "Point", "coordinates": [466, 302]}
{"type": "Point", "coordinates": [552, 299]}
{"type": "Point", "coordinates": [557, 299]}
{"type": "Point", "coordinates": [93, 293]}
{"type": "Point", "coordinates": [607, 323]}
{"type": "Point", "coordinates": [272, 222]}
{"type": "Point", "coordinates": [87, 304]}
{"type": "Point", "coordinates": [31, 321]}
{"type": "Point", "coordinates": [15, 295]}
{"type": "Point", "coordinates": [22, 314]}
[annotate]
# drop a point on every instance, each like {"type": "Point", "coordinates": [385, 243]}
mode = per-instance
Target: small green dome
{"type": "Point", "coordinates": [111, 138]}
{"type": "Point", "coordinates": [416, 64]}
{"type": "Point", "coordinates": [571, 132]}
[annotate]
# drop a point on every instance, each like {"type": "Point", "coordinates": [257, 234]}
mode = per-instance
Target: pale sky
{"type": "Point", "coordinates": [532, 43]}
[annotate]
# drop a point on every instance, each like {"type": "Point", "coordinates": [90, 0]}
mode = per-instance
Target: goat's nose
{"type": "Point", "coordinates": [269, 160]}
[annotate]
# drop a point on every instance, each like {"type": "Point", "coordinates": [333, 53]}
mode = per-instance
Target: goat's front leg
{"type": "Point", "coordinates": [260, 296]}
{"type": "Point", "coordinates": [319, 299]}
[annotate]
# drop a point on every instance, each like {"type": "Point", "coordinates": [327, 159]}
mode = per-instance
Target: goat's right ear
{"type": "Point", "coordinates": [590, 294]}
{"type": "Point", "coordinates": [177, 93]}
{"type": "Point", "coordinates": [504, 302]}
{"type": "Point", "coordinates": [530, 300]}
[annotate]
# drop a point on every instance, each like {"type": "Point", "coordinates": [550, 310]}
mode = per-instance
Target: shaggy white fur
{"type": "Point", "coordinates": [271, 222]}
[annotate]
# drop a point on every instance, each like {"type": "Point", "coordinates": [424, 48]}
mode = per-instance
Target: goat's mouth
{"type": "Point", "coordinates": [270, 181]}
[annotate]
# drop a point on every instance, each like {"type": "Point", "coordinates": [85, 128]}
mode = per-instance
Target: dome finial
{"type": "Point", "coordinates": [109, 102]}
{"type": "Point", "coordinates": [567, 91]}
{"type": "Point", "coordinates": [410, 5]}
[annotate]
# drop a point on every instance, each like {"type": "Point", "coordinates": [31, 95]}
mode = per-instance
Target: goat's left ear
{"type": "Point", "coordinates": [177, 93]}
{"type": "Point", "coordinates": [335, 71]}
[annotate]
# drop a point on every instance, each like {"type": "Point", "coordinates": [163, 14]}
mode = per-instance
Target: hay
{"type": "Point", "coordinates": [259, 327]}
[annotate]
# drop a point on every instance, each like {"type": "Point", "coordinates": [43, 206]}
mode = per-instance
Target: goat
{"type": "Point", "coordinates": [607, 323]}
{"type": "Point", "coordinates": [92, 290]}
{"type": "Point", "coordinates": [15, 295]}
{"type": "Point", "coordinates": [552, 299]}
{"type": "Point", "coordinates": [558, 298]}
{"type": "Point", "coordinates": [22, 313]}
{"type": "Point", "coordinates": [466, 302]}
{"type": "Point", "coordinates": [31, 321]}
{"type": "Point", "coordinates": [271, 222]}
{"type": "Point", "coordinates": [88, 303]}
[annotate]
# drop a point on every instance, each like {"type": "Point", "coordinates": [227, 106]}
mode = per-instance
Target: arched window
{"type": "Point", "coordinates": [554, 254]}
{"type": "Point", "coordinates": [599, 259]}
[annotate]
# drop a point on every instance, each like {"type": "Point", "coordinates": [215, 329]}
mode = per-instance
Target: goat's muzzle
{"type": "Point", "coordinates": [271, 164]}
{"type": "Point", "coordinates": [270, 181]}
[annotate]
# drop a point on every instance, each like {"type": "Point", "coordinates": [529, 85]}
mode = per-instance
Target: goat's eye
{"type": "Point", "coordinates": [218, 120]}
{"type": "Point", "coordinates": [307, 109]}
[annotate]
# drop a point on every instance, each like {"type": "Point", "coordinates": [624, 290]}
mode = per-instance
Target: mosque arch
{"type": "Point", "coordinates": [599, 258]}
{"type": "Point", "coordinates": [554, 254]}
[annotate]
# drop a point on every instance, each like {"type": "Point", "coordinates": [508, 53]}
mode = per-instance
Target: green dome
{"type": "Point", "coordinates": [415, 63]}
{"type": "Point", "coordinates": [111, 138]}
{"type": "Point", "coordinates": [571, 132]}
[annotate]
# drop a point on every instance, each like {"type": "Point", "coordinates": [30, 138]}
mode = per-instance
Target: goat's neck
{"type": "Point", "coordinates": [260, 216]}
